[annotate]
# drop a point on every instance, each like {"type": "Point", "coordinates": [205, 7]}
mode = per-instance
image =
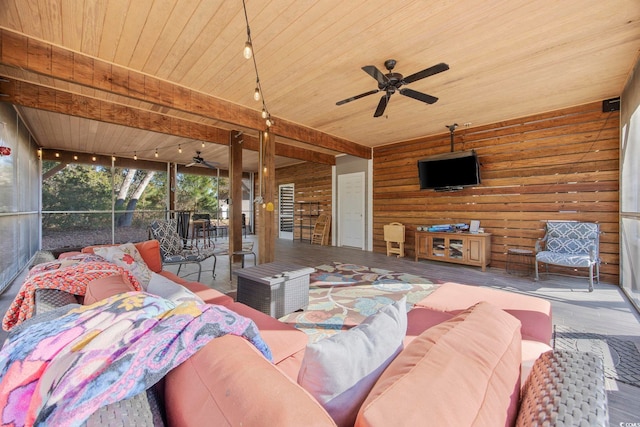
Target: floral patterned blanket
{"type": "Point", "coordinates": [70, 274]}
{"type": "Point", "coordinates": [60, 371]}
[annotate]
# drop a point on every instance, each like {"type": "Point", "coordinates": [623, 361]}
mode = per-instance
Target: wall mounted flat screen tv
{"type": "Point", "coordinates": [450, 171]}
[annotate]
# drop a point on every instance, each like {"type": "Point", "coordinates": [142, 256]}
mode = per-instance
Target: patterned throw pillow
{"type": "Point", "coordinates": [128, 257]}
{"type": "Point", "coordinates": [165, 233]}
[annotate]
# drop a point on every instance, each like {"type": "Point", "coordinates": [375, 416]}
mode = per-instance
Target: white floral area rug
{"type": "Point", "coordinates": [342, 295]}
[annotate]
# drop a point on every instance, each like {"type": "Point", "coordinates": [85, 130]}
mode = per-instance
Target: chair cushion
{"type": "Point", "coordinates": [165, 232]}
{"type": "Point", "coordinates": [229, 383]}
{"type": "Point", "coordinates": [471, 362]}
{"type": "Point", "coordinates": [564, 259]}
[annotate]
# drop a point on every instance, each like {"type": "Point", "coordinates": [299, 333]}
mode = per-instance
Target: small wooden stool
{"type": "Point", "coordinates": [394, 236]}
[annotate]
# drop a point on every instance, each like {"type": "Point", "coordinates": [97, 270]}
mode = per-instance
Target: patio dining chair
{"type": "Point", "coordinates": [172, 250]}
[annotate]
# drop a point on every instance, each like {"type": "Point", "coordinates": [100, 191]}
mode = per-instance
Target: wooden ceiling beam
{"type": "Point", "coordinates": [23, 52]}
{"type": "Point", "coordinates": [58, 101]}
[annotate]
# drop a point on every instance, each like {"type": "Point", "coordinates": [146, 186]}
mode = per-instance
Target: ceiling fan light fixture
{"type": "Point", "coordinates": [247, 52]}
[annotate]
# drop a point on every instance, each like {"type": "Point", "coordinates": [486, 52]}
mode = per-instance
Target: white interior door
{"type": "Point", "coordinates": [285, 211]}
{"type": "Point", "coordinates": [351, 209]}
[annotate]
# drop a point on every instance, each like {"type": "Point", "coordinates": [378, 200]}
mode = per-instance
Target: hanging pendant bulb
{"type": "Point", "coordinates": [256, 94]}
{"type": "Point", "coordinates": [269, 122]}
{"type": "Point", "coordinates": [135, 156]}
{"type": "Point", "coordinates": [156, 153]}
{"type": "Point", "coordinates": [202, 144]}
{"type": "Point", "coordinates": [180, 149]}
{"type": "Point", "coordinates": [248, 50]}
{"type": "Point", "coordinates": [264, 113]}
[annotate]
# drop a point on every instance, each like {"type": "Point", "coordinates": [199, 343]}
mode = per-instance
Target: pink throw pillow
{"type": "Point", "coordinates": [106, 287]}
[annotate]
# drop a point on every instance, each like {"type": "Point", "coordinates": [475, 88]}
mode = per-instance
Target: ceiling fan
{"type": "Point", "coordinates": [392, 82]}
{"type": "Point", "coordinates": [198, 160]}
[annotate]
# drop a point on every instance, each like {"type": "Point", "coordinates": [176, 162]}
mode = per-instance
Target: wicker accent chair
{"type": "Point", "coordinates": [571, 244]}
{"type": "Point", "coordinates": [172, 250]}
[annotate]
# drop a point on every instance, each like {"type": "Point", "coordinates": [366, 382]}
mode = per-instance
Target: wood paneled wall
{"type": "Point", "coordinates": [312, 183]}
{"type": "Point", "coordinates": [560, 165]}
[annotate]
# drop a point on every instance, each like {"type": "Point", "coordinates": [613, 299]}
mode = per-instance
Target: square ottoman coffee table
{"type": "Point", "coordinates": [275, 288]}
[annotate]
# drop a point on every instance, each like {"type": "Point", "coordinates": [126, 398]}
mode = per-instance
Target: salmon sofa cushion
{"type": "Point", "coordinates": [534, 313]}
{"type": "Point", "coordinates": [462, 372]}
{"type": "Point", "coordinates": [229, 383]}
{"type": "Point", "coordinates": [106, 287]}
{"type": "Point", "coordinates": [283, 339]}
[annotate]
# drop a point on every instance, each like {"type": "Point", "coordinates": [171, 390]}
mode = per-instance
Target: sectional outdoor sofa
{"type": "Point", "coordinates": [462, 356]}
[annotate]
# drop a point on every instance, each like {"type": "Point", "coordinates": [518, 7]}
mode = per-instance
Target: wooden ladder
{"type": "Point", "coordinates": [320, 235]}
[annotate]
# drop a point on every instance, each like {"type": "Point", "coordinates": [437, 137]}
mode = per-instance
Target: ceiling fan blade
{"type": "Point", "coordinates": [188, 165]}
{"type": "Point", "coordinates": [376, 74]}
{"type": "Point", "coordinates": [211, 165]}
{"type": "Point", "coordinates": [353, 98]}
{"type": "Point", "coordinates": [418, 95]}
{"type": "Point", "coordinates": [438, 68]}
{"type": "Point", "coordinates": [381, 105]}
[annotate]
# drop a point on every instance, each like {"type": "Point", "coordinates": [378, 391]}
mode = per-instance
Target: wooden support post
{"type": "Point", "coordinates": [235, 207]}
{"type": "Point", "coordinates": [173, 182]}
{"type": "Point", "coordinates": [267, 209]}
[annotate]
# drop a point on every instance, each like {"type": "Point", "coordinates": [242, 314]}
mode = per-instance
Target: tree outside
{"type": "Point", "coordinates": [140, 197]}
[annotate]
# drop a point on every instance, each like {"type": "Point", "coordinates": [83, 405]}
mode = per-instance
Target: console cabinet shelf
{"type": "Point", "coordinates": [461, 248]}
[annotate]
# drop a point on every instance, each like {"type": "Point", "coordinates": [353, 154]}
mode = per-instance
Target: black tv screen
{"type": "Point", "coordinates": [449, 171]}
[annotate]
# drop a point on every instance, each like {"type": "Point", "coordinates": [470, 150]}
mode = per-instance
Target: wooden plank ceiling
{"type": "Point", "coordinates": [176, 77]}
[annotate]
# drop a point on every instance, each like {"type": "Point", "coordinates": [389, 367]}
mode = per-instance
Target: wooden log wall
{"type": "Point", "coordinates": [312, 183]}
{"type": "Point", "coordinates": [561, 165]}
